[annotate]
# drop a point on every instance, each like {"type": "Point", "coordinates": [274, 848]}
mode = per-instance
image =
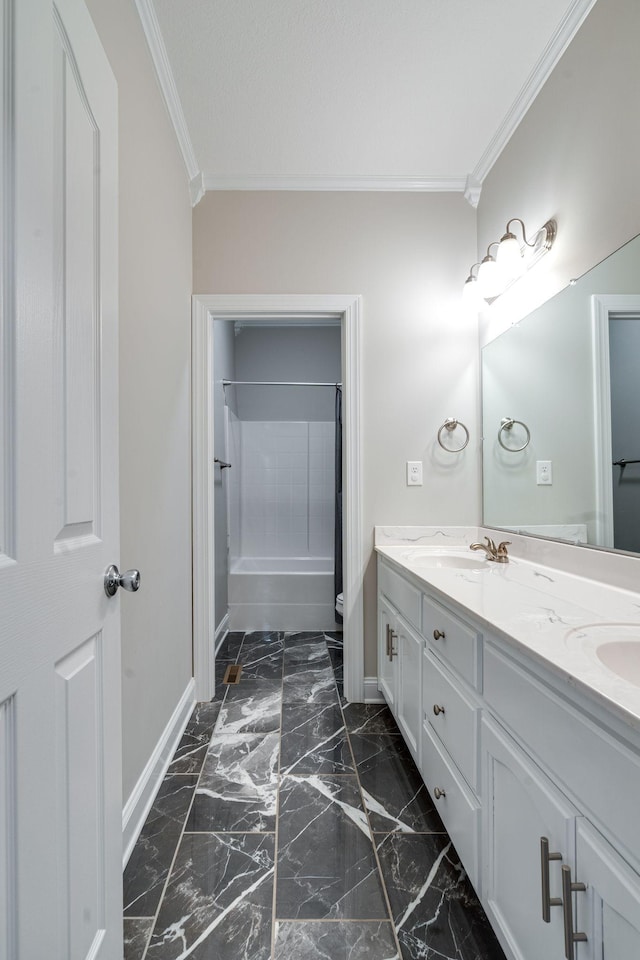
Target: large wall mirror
{"type": "Point", "coordinates": [561, 413]}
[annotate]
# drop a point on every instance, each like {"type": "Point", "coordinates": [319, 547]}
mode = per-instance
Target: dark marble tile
{"type": "Point", "coordinates": [314, 740]}
{"type": "Point", "coordinates": [136, 936]}
{"type": "Point", "coordinates": [149, 863]}
{"type": "Point", "coordinates": [251, 706]}
{"type": "Point", "coordinates": [306, 656]}
{"type": "Point", "coordinates": [230, 646]}
{"type": "Point", "coordinates": [312, 685]}
{"type": "Point", "coordinates": [342, 940]}
{"type": "Point", "coordinates": [436, 913]}
{"type": "Point", "coordinates": [238, 786]}
{"type": "Point", "coordinates": [392, 788]}
{"type": "Point", "coordinates": [334, 640]}
{"type": "Point", "coordinates": [265, 639]}
{"type": "Point", "coordinates": [260, 663]}
{"type": "Point", "coordinates": [219, 900]}
{"type": "Point", "coordinates": [220, 671]}
{"type": "Point", "coordinates": [293, 639]}
{"type": "Point", "coordinates": [370, 718]}
{"type": "Point", "coordinates": [326, 863]}
{"type": "Point", "coordinates": [191, 750]}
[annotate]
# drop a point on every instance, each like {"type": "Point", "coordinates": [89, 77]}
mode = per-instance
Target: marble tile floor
{"type": "Point", "coordinates": [292, 825]}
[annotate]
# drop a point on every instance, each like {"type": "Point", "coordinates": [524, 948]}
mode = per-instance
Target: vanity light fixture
{"type": "Point", "coordinates": [512, 259]}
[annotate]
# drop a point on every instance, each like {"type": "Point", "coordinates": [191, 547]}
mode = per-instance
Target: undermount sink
{"type": "Point", "coordinates": [616, 645]}
{"type": "Point", "coordinates": [449, 560]}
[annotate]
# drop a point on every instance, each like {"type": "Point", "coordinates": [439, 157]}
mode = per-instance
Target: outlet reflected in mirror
{"type": "Point", "coordinates": [568, 375]}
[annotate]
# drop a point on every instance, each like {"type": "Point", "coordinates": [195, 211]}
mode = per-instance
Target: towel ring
{"type": "Point", "coordinates": [450, 424]}
{"type": "Point", "coordinates": [505, 424]}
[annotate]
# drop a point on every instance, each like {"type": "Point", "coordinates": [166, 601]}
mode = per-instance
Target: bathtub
{"type": "Point", "coordinates": [281, 593]}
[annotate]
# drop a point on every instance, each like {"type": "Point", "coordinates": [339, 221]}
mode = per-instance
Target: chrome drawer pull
{"type": "Point", "coordinates": [437, 709]}
{"type": "Point", "coordinates": [388, 638]}
{"type": "Point", "coordinates": [439, 792]}
{"type": "Point", "coordinates": [547, 900]}
{"type": "Point", "coordinates": [392, 636]}
{"type": "Point", "coordinates": [570, 936]}
{"type": "Point", "coordinates": [438, 634]}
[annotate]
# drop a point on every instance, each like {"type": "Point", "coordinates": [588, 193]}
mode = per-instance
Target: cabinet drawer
{"type": "Point", "coordinates": [460, 645]}
{"type": "Point", "coordinates": [457, 722]}
{"type": "Point", "coordinates": [601, 773]}
{"type": "Point", "coordinates": [403, 595]}
{"type": "Point", "coordinates": [458, 807]}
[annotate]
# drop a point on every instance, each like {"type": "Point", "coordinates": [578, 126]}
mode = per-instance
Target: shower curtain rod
{"type": "Point", "coordinates": [274, 383]}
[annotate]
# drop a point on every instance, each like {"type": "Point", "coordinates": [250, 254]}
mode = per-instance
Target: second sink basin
{"type": "Point", "coordinates": [616, 645]}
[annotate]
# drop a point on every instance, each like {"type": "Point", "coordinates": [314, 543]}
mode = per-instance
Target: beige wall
{"type": "Point", "coordinates": [408, 255]}
{"type": "Point", "coordinates": [155, 287]}
{"type": "Point", "coordinates": [574, 157]}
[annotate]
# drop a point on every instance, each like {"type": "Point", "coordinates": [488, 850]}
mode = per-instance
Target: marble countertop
{"type": "Point", "coordinates": [540, 609]}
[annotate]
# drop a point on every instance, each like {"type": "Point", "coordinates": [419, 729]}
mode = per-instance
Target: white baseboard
{"type": "Point", "coordinates": [143, 794]}
{"type": "Point", "coordinates": [221, 631]}
{"type": "Point", "coordinates": [371, 692]}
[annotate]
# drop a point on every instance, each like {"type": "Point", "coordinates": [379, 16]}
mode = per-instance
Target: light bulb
{"type": "Point", "coordinates": [490, 278]}
{"type": "Point", "coordinates": [509, 257]}
{"type": "Point", "coordinates": [470, 293]}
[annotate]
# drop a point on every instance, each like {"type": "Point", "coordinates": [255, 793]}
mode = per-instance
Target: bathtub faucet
{"type": "Point", "coordinates": [498, 554]}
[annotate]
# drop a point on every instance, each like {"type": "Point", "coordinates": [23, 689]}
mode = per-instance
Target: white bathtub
{"type": "Point", "coordinates": [281, 593]}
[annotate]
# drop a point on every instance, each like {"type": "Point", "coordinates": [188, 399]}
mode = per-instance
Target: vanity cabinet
{"type": "Point", "coordinates": [536, 785]}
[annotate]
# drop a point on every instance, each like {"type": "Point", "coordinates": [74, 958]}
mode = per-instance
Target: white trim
{"type": "Point", "coordinates": [158, 51]}
{"type": "Point", "coordinates": [567, 29]}
{"type": "Point", "coordinates": [205, 309]}
{"type": "Point", "coordinates": [371, 691]}
{"type": "Point", "coordinates": [196, 189]}
{"type": "Point", "coordinates": [407, 184]}
{"type": "Point", "coordinates": [472, 191]}
{"type": "Point", "coordinates": [602, 305]}
{"type": "Point", "coordinates": [221, 631]}
{"type": "Point", "coordinates": [143, 794]}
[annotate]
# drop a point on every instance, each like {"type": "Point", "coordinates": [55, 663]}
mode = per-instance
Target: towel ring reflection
{"type": "Point", "coordinates": [450, 424]}
{"type": "Point", "coordinates": [505, 424]}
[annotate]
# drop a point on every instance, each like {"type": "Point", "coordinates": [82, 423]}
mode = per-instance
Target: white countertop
{"type": "Point", "coordinates": [537, 608]}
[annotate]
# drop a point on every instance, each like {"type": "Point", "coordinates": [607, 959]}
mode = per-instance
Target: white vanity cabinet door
{"type": "Point", "coordinates": [409, 645]}
{"type": "Point", "coordinates": [520, 805]}
{"type": "Point", "coordinates": [387, 684]}
{"type": "Point", "coordinates": [608, 911]}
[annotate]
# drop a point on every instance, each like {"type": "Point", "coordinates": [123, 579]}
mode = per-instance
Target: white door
{"type": "Point", "coordinates": [60, 788]}
{"type": "Point", "coordinates": [409, 647]}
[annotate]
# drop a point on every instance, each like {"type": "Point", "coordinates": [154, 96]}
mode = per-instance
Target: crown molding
{"type": "Point", "coordinates": [160, 59]}
{"type": "Point", "coordinates": [567, 29]}
{"type": "Point", "coordinates": [472, 191]}
{"type": "Point", "coordinates": [196, 189]}
{"type": "Point", "coordinates": [407, 184]}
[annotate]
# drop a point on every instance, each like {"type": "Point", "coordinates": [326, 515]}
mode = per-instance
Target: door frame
{"type": "Point", "coordinates": [206, 308]}
{"type": "Point", "coordinates": [602, 307]}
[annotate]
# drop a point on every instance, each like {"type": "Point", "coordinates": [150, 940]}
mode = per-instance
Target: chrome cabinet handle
{"type": "Point", "coordinates": [392, 635]}
{"type": "Point", "coordinates": [438, 634]}
{"type": "Point", "coordinates": [113, 579]}
{"type": "Point", "coordinates": [570, 935]}
{"type": "Point", "coordinates": [388, 639]}
{"type": "Point", "coordinates": [439, 792]}
{"type": "Point", "coordinates": [437, 709]}
{"type": "Point", "coordinates": [547, 900]}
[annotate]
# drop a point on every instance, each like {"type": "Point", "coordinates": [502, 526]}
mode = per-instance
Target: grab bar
{"type": "Point", "coordinates": [222, 463]}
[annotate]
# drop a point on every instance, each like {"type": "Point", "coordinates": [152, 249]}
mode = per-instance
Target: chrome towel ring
{"type": "Point", "coordinates": [450, 425]}
{"type": "Point", "coordinates": [506, 424]}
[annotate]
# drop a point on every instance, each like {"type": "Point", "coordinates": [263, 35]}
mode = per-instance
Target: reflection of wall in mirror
{"type": "Point", "coordinates": [541, 371]}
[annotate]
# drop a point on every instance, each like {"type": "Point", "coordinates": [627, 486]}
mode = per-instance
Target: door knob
{"type": "Point", "coordinates": [129, 580]}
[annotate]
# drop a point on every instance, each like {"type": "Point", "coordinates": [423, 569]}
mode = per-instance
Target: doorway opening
{"type": "Point", "coordinates": [247, 422]}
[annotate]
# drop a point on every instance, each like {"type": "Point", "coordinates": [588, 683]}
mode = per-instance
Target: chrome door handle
{"type": "Point", "coordinates": [570, 936]}
{"type": "Point", "coordinates": [547, 900]}
{"type": "Point", "coordinates": [129, 580]}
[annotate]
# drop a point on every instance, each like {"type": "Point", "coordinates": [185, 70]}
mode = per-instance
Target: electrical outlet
{"type": "Point", "coordinates": [414, 473]}
{"type": "Point", "coordinates": [544, 473]}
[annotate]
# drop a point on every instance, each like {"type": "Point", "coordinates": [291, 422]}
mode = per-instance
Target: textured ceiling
{"type": "Point", "coordinates": [350, 88]}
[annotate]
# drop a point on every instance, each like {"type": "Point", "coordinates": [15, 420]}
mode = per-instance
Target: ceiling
{"type": "Point", "coordinates": [351, 94]}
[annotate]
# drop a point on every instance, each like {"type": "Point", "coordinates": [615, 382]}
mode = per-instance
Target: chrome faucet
{"type": "Point", "coordinates": [497, 554]}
